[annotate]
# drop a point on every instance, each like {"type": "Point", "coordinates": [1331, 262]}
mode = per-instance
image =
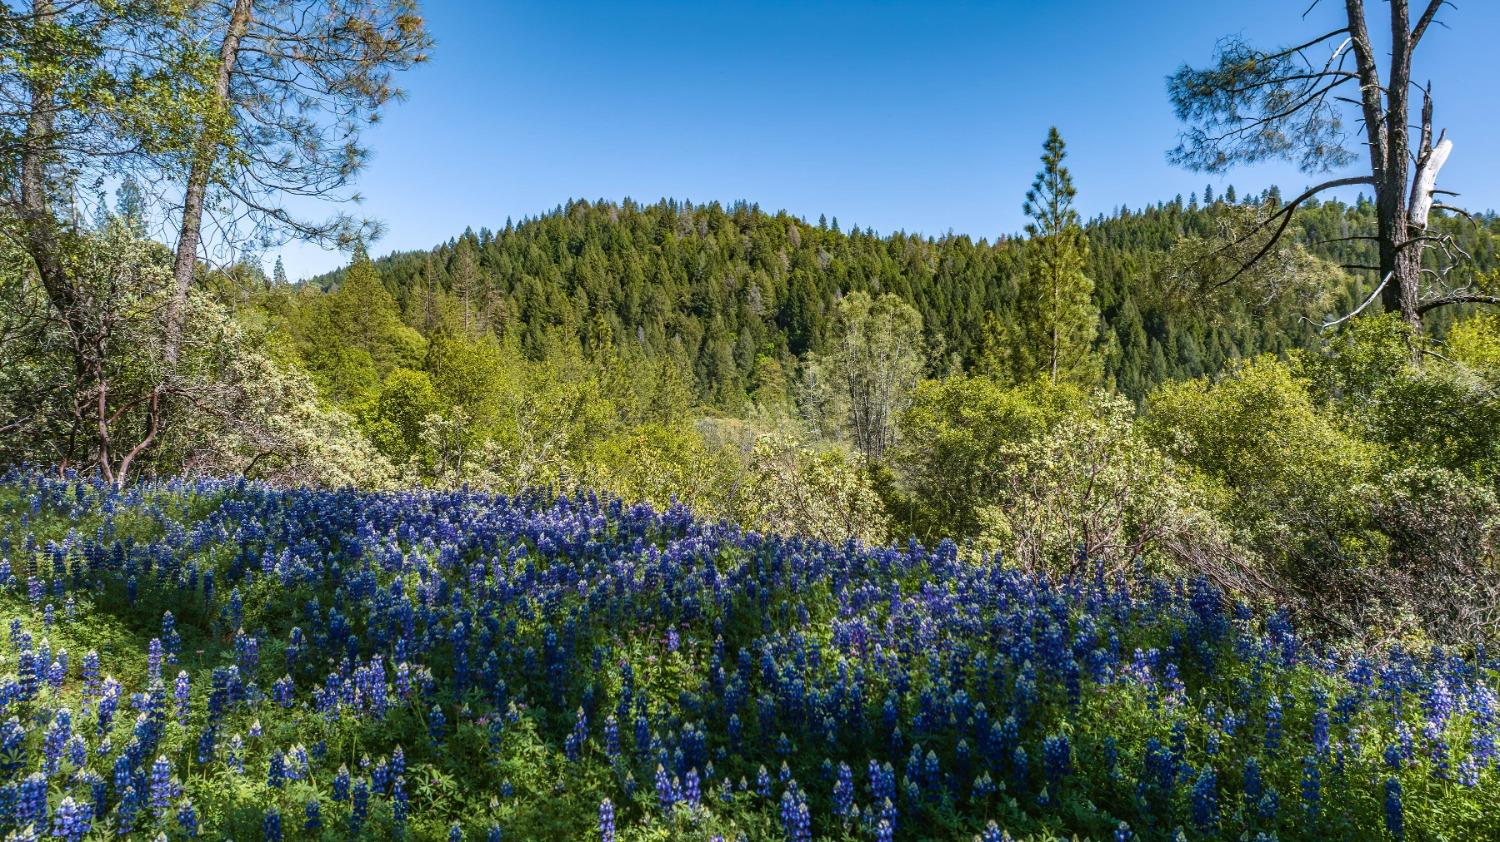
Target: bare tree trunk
{"type": "Point", "coordinates": [1407, 257]}
{"type": "Point", "coordinates": [204, 157]}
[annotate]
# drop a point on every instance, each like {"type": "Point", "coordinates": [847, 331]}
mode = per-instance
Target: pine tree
{"type": "Point", "coordinates": [466, 282]}
{"type": "Point", "coordinates": [278, 274]}
{"type": "Point", "coordinates": [130, 205]}
{"type": "Point", "coordinates": [1135, 352]}
{"type": "Point", "coordinates": [1058, 322]}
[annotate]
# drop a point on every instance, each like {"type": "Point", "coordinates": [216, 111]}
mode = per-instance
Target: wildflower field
{"type": "Point", "coordinates": [224, 659]}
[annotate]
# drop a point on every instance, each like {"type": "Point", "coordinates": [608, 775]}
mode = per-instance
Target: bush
{"type": "Point", "coordinates": [1282, 474]}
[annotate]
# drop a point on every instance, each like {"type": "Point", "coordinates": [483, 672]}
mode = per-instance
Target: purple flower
{"type": "Point", "coordinates": [1395, 817]}
{"type": "Point", "coordinates": [606, 821]}
{"type": "Point", "coordinates": [187, 819]}
{"type": "Point", "coordinates": [31, 806]}
{"type": "Point", "coordinates": [843, 792]}
{"type": "Point", "coordinates": [1205, 801]}
{"type": "Point", "coordinates": [360, 806]}
{"type": "Point", "coordinates": [400, 804]}
{"type": "Point", "coordinates": [182, 694]}
{"type": "Point", "coordinates": [72, 820]}
{"type": "Point", "coordinates": [162, 789]}
{"type": "Point", "coordinates": [1273, 724]}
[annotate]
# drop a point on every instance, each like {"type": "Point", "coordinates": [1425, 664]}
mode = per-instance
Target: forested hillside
{"type": "Point", "coordinates": [733, 289]}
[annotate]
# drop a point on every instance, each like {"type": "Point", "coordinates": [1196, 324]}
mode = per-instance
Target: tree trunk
{"type": "Point", "coordinates": [40, 231]}
{"type": "Point", "coordinates": [1388, 136]}
{"type": "Point", "coordinates": [205, 155]}
{"type": "Point", "coordinates": [1406, 256]}
{"type": "Point", "coordinates": [41, 234]}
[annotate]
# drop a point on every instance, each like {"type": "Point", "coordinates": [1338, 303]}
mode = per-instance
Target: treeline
{"type": "Point", "coordinates": [742, 294]}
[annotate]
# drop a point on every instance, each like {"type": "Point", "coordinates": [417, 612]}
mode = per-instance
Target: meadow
{"type": "Point", "coordinates": [225, 659]}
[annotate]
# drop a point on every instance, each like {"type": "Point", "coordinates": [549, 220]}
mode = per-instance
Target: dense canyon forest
{"type": "Point", "coordinates": [736, 290]}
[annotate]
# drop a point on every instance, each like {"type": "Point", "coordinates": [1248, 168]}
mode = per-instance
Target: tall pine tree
{"type": "Point", "coordinates": [1057, 322]}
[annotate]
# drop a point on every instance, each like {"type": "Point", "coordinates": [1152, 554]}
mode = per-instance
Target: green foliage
{"type": "Point", "coordinates": [860, 387]}
{"type": "Point", "coordinates": [1475, 342]}
{"type": "Point", "coordinates": [953, 454]}
{"type": "Point", "coordinates": [793, 488]}
{"type": "Point", "coordinates": [1443, 414]}
{"type": "Point", "coordinates": [1285, 469]}
{"type": "Point", "coordinates": [661, 464]}
{"type": "Point", "coordinates": [1057, 321]}
{"type": "Point", "coordinates": [723, 287]}
{"type": "Point", "coordinates": [1090, 491]}
{"type": "Point", "coordinates": [396, 416]}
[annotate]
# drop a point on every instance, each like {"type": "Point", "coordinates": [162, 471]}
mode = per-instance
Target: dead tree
{"type": "Point", "coordinates": [1292, 103]}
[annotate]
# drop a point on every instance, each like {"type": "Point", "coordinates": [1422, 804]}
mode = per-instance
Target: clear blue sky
{"type": "Point", "coordinates": [923, 116]}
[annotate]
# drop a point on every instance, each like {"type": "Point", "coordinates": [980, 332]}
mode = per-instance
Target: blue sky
{"type": "Point", "coordinates": [919, 116]}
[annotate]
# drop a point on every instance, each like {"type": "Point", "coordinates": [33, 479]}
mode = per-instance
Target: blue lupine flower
{"type": "Point", "coordinates": [162, 790]}
{"type": "Point", "coordinates": [1395, 818]}
{"type": "Point", "coordinates": [1273, 724]}
{"type": "Point", "coordinates": [360, 806]}
{"type": "Point", "coordinates": [666, 794]}
{"type": "Point", "coordinates": [606, 821]}
{"type": "Point", "coordinates": [796, 822]}
{"type": "Point", "coordinates": [187, 819]}
{"type": "Point", "coordinates": [611, 737]}
{"type": "Point", "coordinates": [154, 656]}
{"type": "Point", "coordinates": [1057, 757]}
{"type": "Point", "coordinates": [843, 792]}
{"type": "Point", "coordinates": [127, 810]}
{"type": "Point", "coordinates": [271, 826]}
{"type": "Point", "coordinates": [171, 641]}
{"type": "Point", "coordinates": [1253, 786]}
{"type": "Point", "coordinates": [276, 770]}
{"type": "Point", "coordinates": [1019, 768]}
{"type": "Point", "coordinates": [400, 804]}
{"type": "Point", "coordinates": [72, 820]}
{"type": "Point", "coordinates": [1320, 731]}
{"type": "Point", "coordinates": [58, 734]}
{"type": "Point", "coordinates": [1205, 801]}
{"type": "Point", "coordinates": [1312, 788]}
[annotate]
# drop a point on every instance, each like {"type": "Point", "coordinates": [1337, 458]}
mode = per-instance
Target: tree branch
{"type": "Point", "coordinates": [1427, 17]}
{"type": "Point", "coordinates": [1286, 219]}
{"type": "Point", "coordinates": [1357, 310]}
{"type": "Point", "coordinates": [1460, 298]}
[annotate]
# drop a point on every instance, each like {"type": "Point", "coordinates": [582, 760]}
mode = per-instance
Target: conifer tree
{"type": "Point", "coordinates": [466, 282]}
{"type": "Point", "coordinates": [1058, 322]}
